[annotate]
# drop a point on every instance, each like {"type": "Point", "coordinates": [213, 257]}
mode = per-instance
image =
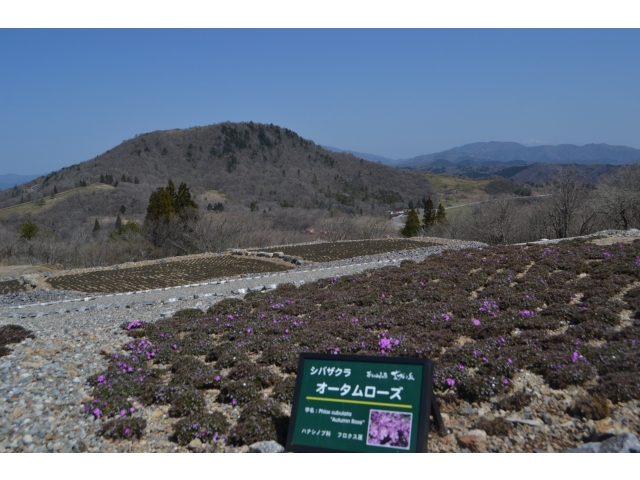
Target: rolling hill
{"type": "Point", "coordinates": [491, 153]}
{"type": "Point", "coordinates": [243, 165]}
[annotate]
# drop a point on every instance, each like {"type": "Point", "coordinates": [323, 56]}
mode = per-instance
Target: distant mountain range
{"type": "Point", "coordinates": [11, 179]}
{"type": "Point", "coordinates": [507, 154]}
{"type": "Point", "coordinates": [512, 153]}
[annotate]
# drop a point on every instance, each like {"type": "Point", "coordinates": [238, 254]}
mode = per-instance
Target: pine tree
{"type": "Point", "coordinates": [412, 224]}
{"type": "Point", "coordinates": [96, 226]}
{"type": "Point", "coordinates": [160, 206]}
{"type": "Point", "coordinates": [118, 222]}
{"type": "Point", "coordinates": [441, 215]}
{"type": "Point", "coordinates": [182, 199]}
{"type": "Point", "coordinates": [429, 216]}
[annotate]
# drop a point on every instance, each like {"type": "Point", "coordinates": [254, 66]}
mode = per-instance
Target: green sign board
{"type": "Point", "coordinates": [352, 403]}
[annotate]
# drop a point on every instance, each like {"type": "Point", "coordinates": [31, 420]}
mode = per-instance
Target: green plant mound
{"type": "Point", "coordinates": [207, 427]}
{"type": "Point", "coordinates": [123, 428]}
{"type": "Point", "coordinates": [259, 420]}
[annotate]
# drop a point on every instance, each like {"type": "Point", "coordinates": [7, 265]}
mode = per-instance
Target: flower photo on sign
{"type": "Point", "coordinates": [389, 429]}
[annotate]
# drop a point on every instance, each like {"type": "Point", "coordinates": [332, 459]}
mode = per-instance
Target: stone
{"type": "Point", "coordinates": [76, 380]}
{"type": "Point", "coordinates": [469, 441]}
{"type": "Point", "coordinates": [239, 291]}
{"type": "Point", "coordinates": [195, 444]}
{"type": "Point", "coordinates": [259, 288]}
{"type": "Point", "coordinates": [478, 433]}
{"type": "Point", "coordinates": [623, 443]}
{"type": "Point", "coordinates": [269, 446]}
{"type": "Point", "coordinates": [533, 423]}
{"type": "Point", "coordinates": [27, 439]}
{"type": "Point", "coordinates": [546, 418]}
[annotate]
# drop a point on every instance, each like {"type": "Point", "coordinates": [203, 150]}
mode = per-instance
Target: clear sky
{"type": "Point", "coordinates": [69, 95]}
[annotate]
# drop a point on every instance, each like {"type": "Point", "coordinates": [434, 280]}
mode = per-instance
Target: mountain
{"type": "Point", "coordinates": [10, 180]}
{"type": "Point", "coordinates": [367, 156]}
{"type": "Point", "coordinates": [245, 166]}
{"type": "Point", "coordinates": [491, 153]}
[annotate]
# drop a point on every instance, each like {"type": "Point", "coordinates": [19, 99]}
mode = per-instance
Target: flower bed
{"type": "Point", "coordinates": [561, 312]}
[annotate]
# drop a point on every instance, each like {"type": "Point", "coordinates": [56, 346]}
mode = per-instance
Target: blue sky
{"type": "Point", "coordinates": [69, 95]}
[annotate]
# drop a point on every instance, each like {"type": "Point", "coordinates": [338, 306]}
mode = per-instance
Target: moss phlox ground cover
{"type": "Point", "coordinates": [568, 312]}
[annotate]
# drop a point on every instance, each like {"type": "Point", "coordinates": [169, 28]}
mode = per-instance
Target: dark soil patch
{"type": "Point", "coordinates": [12, 286]}
{"type": "Point", "coordinates": [162, 275]}
{"type": "Point", "coordinates": [329, 252]}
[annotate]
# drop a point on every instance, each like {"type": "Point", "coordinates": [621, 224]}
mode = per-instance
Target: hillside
{"type": "Point", "coordinates": [238, 164]}
{"type": "Point", "coordinates": [488, 153]}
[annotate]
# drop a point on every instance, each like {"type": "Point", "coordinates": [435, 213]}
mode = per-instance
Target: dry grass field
{"type": "Point", "coordinates": [32, 208]}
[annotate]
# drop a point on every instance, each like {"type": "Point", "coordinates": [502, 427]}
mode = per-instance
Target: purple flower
{"type": "Point", "coordinates": [451, 382]}
{"type": "Point", "coordinates": [234, 402]}
{"type": "Point", "coordinates": [217, 378]}
{"type": "Point", "coordinates": [174, 346]}
{"type": "Point", "coordinates": [575, 356]}
{"type": "Point", "coordinates": [97, 412]}
{"type": "Point", "coordinates": [505, 381]}
{"type": "Point", "coordinates": [526, 313]}
{"type": "Point", "coordinates": [127, 431]}
{"type": "Point", "coordinates": [476, 322]}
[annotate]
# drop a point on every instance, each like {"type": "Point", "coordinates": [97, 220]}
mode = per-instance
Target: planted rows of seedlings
{"type": "Point", "coordinates": [12, 286]}
{"type": "Point", "coordinates": [162, 275]}
{"type": "Point", "coordinates": [330, 252]}
{"type": "Point", "coordinates": [568, 312]}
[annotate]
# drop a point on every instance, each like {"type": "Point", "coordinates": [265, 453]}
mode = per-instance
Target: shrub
{"type": "Point", "coordinates": [187, 403]}
{"type": "Point", "coordinates": [591, 408]}
{"type": "Point", "coordinates": [207, 427]}
{"type": "Point", "coordinates": [496, 427]}
{"type": "Point", "coordinates": [123, 428]}
{"type": "Point", "coordinates": [259, 420]}
{"type": "Point", "coordinates": [284, 390]}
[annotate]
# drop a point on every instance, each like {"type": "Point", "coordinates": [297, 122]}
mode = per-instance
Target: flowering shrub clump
{"type": "Point", "coordinates": [260, 420]}
{"type": "Point", "coordinates": [123, 428]}
{"type": "Point", "coordinates": [187, 403]}
{"type": "Point", "coordinates": [391, 429]}
{"type": "Point", "coordinates": [207, 427]}
{"type": "Point", "coordinates": [283, 391]}
{"type": "Point", "coordinates": [12, 334]}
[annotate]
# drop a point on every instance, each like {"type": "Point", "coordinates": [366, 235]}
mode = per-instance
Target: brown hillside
{"type": "Point", "coordinates": [236, 163]}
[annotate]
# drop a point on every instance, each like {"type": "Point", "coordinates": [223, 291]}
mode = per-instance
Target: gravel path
{"type": "Point", "coordinates": [42, 381]}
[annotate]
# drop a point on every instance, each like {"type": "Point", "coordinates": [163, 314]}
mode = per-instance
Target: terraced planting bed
{"type": "Point", "coordinates": [162, 275]}
{"type": "Point", "coordinates": [505, 325]}
{"type": "Point", "coordinates": [12, 286]}
{"type": "Point", "coordinates": [329, 252]}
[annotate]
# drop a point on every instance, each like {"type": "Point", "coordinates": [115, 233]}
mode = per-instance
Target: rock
{"type": "Point", "coordinates": [478, 433]}
{"type": "Point", "coordinates": [533, 423]}
{"type": "Point", "coordinates": [259, 288]}
{"type": "Point", "coordinates": [271, 286]}
{"type": "Point", "coordinates": [269, 446]}
{"type": "Point", "coordinates": [27, 439]}
{"type": "Point", "coordinates": [469, 441]}
{"type": "Point", "coordinates": [239, 291]}
{"type": "Point", "coordinates": [195, 444]}
{"type": "Point", "coordinates": [76, 380]}
{"type": "Point", "coordinates": [623, 443]}
{"type": "Point", "coordinates": [546, 418]}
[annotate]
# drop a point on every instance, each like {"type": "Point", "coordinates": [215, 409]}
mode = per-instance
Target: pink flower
{"type": "Point", "coordinates": [574, 357]}
{"type": "Point", "coordinates": [476, 322]}
{"type": "Point", "coordinates": [451, 382]}
{"type": "Point", "coordinates": [234, 402]}
{"type": "Point", "coordinates": [383, 295]}
{"type": "Point", "coordinates": [505, 381]}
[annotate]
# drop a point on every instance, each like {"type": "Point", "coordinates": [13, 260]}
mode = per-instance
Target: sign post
{"type": "Point", "coordinates": [352, 403]}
